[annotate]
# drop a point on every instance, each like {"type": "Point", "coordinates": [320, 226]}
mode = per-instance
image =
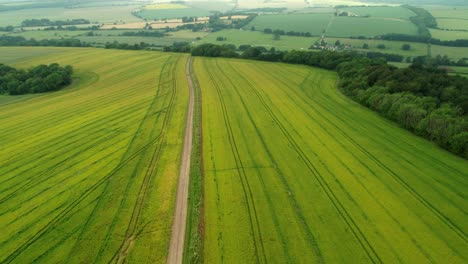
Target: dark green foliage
{"type": "Point", "coordinates": [144, 33]}
{"type": "Point", "coordinates": [212, 50]}
{"type": "Point", "coordinates": [7, 29]}
{"type": "Point", "coordinates": [188, 19]}
{"type": "Point", "coordinates": [44, 22]}
{"type": "Point", "coordinates": [21, 41]}
{"type": "Point", "coordinates": [422, 99]}
{"type": "Point", "coordinates": [39, 79]}
{"type": "Point", "coordinates": [386, 56]}
{"type": "Point", "coordinates": [406, 47]}
{"type": "Point", "coordinates": [279, 32]}
{"type": "Point", "coordinates": [183, 47]}
{"type": "Point", "coordinates": [439, 61]}
{"type": "Point", "coordinates": [422, 39]}
{"type": "Point", "coordinates": [216, 23]}
{"type": "Point", "coordinates": [381, 46]}
{"type": "Point", "coordinates": [125, 46]}
{"type": "Point", "coordinates": [423, 20]}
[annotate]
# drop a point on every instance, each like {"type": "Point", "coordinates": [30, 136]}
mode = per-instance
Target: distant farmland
{"type": "Point", "coordinates": [369, 27]}
{"type": "Point", "coordinates": [334, 26]}
{"type": "Point", "coordinates": [295, 173]}
{"type": "Point", "coordinates": [312, 23]}
{"type": "Point", "coordinates": [105, 14]}
{"type": "Point", "coordinates": [88, 174]}
{"type": "Point", "coordinates": [381, 11]}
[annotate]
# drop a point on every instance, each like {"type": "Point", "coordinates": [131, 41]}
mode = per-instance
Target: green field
{"type": "Point", "coordinates": [313, 23]}
{"type": "Point", "coordinates": [158, 14]}
{"type": "Point", "coordinates": [297, 173]}
{"type": "Point", "coordinates": [417, 49]}
{"type": "Point", "coordinates": [88, 174]}
{"type": "Point", "coordinates": [369, 27]}
{"type": "Point", "coordinates": [449, 35]}
{"type": "Point", "coordinates": [460, 12]}
{"type": "Point", "coordinates": [105, 14]}
{"type": "Point", "coordinates": [255, 38]}
{"type": "Point", "coordinates": [381, 11]}
{"type": "Point", "coordinates": [453, 18]}
{"type": "Point", "coordinates": [101, 37]}
{"type": "Point", "coordinates": [454, 24]}
{"type": "Point", "coordinates": [334, 26]}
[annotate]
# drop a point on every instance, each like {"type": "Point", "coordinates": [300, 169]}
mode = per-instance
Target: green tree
{"type": "Point", "coordinates": [406, 47]}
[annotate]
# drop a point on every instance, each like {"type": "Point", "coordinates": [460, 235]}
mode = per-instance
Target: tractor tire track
{"type": "Point", "coordinates": [361, 238]}
{"type": "Point", "coordinates": [121, 254]}
{"type": "Point", "coordinates": [247, 192]}
{"type": "Point", "coordinates": [127, 157]}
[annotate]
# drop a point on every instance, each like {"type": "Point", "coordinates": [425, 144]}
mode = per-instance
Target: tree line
{"type": "Point", "coordinates": [421, 98]}
{"type": "Point", "coordinates": [423, 20]}
{"type": "Point", "coordinates": [7, 29]}
{"type": "Point", "coordinates": [40, 79]}
{"type": "Point", "coordinates": [126, 46]}
{"type": "Point", "coordinates": [44, 22]}
{"type": "Point", "coordinates": [425, 39]}
{"type": "Point", "coordinates": [146, 33]}
{"type": "Point", "coordinates": [21, 41]}
{"type": "Point", "coordinates": [283, 33]}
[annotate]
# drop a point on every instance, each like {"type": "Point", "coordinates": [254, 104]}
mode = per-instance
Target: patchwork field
{"type": "Point", "coordinates": [369, 27]}
{"type": "Point", "coordinates": [316, 24]}
{"type": "Point", "coordinates": [451, 18]}
{"type": "Point", "coordinates": [313, 23]}
{"type": "Point", "coordinates": [101, 37]}
{"type": "Point", "coordinates": [104, 14]}
{"type": "Point", "coordinates": [394, 47]}
{"type": "Point", "coordinates": [88, 174]}
{"type": "Point", "coordinates": [297, 173]}
{"type": "Point", "coordinates": [154, 13]}
{"type": "Point", "coordinates": [449, 35]}
{"type": "Point", "coordinates": [452, 23]}
{"type": "Point", "coordinates": [255, 38]}
{"type": "Point", "coordinates": [390, 12]}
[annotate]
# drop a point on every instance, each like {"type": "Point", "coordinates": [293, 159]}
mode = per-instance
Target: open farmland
{"type": "Point", "coordinates": [101, 37]}
{"type": "Point", "coordinates": [334, 26]}
{"type": "Point", "coordinates": [297, 173]}
{"type": "Point", "coordinates": [381, 11]}
{"type": "Point", "coordinates": [88, 174]}
{"type": "Point", "coordinates": [255, 38]}
{"type": "Point", "coordinates": [452, 23]}
{"type": "Point", "coordinates": [103, 14]}
{"type": "Point", "coordinates": [312, 23]}
{"type": "Point", "coordinates": [451, 18]}
{"type": "Point", "coordinates": [369, 27]}
{"type": "Point", "coordinates": [157, 13]}
{"type": "Point", "coordinates": [449, 35]}
{"type": "Point", "coordinates": [394, 47]}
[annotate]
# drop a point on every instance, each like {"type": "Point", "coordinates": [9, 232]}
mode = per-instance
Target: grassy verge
{"type": "Point", "coordinates": [194, 232]}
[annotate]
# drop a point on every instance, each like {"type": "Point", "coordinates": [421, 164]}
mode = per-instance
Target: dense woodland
{"type": "Point", "coordinates": [39, 79]}
{"type": "Point", "coordinates": [421, 98]}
